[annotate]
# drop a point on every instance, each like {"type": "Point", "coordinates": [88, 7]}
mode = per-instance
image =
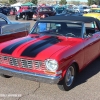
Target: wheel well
{"type": "Point", "coordinates": [77, 67]}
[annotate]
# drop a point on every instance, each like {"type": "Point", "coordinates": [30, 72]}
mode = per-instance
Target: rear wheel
{"type": "Point", "coordinates": [69, 78]}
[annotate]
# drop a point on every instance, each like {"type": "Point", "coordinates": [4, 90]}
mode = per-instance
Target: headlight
{"type": "Point", "coordinates": [51, 64]}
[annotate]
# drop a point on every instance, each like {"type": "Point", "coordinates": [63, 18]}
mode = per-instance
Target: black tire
{"type": "Point", "coordinates": [34, 19]}
{"type": "Point", "coordinates": [68, 82]}
{"type": "Point", "coordinates": [16, 18]}
{"type": "Point", "coordinates": [6, 76]}
{"type": "Point", "coordinates": [26, 17]}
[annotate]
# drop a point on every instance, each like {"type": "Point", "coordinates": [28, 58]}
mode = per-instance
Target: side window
{"type": "Point", "coordinates": [53, 26]}
{"type": "Point", "coordinates": [41, 27]}
{"type": "Point", "coordinates": [45, 27]}
{"type": "Point", "coordinates": [91, 28]}
{"type": "Point", "coordinates": [2, 22]}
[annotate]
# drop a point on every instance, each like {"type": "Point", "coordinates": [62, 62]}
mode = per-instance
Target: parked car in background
{"type": "Point", "coordinates": [79, 8]}
{"type": "Point", "coordinates": [11, 30]}
{"type": "Point", "coordinates": [55, 51]}
{"type": "Point", "coordinates": [13, 11]}
{"type": "Point", "coordinates": [4, 10]}
{"type": "Point", "coordinates": [28, 14]}
{"type": "Point", "coordinates": [43, 12]}
{"type": "Point", "coordinates": [60, 9]}
{"type": "Point", "coordinates": [94, 12]}
{"type": "Point", "coordinates": [70, 12]}
{"type": "Point", "coordinates": [19, 12]}
{"type": "Point", "coordinates": [86, 9]}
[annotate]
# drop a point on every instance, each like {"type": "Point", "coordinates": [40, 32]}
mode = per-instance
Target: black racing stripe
{"type": "Point", "coordinates": [34, 49]}
{"type": "Point", "coordinates": [9, 49]}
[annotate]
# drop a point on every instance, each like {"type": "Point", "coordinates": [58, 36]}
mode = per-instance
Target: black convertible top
{"type": "Point", "coordinates": [72, 18]}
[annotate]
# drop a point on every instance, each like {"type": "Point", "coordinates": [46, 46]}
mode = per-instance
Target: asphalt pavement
{"type": "Point", "coordinates": [87, 85]}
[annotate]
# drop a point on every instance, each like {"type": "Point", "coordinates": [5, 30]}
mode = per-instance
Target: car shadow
{"type": "Point", "coordinates": [90, 70]}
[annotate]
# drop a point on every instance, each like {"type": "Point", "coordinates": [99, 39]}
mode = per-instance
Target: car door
{"type": "Point", "coordinates": [4, 37]}
{"type": "Point", "coordinates": [91, 43]}
{"type": "Point", "coordinates": [91, 49]}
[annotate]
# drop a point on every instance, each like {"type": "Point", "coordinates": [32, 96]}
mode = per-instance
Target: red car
{"type": "Point", "coordinates": [55, 51]}
{"type": "Point", "coordinates": [44, 11]}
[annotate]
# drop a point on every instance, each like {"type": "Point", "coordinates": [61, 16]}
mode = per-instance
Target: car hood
{"type": "Point", "coordinates": [35, 46]}
{"type": "Point", "coordinates": [92, 15]}
{"type": "Point", "coordinates": [15, 22]}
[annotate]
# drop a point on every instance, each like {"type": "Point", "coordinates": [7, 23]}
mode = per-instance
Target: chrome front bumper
{"type": "Point", "coordinates": [30, 75]}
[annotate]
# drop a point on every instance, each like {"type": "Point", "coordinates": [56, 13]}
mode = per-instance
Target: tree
{"type": "Point", "coordinates": [12, 1]}
{"type": "Point", "coordinates": [75, 2]}
{"type": "Point", "coordinates": [62, 2]}
{"type": "Point", "coordinates": [90, 2]}
{"type": "Point", "coordinates": [97, 2]}
{"type": "Point", "coordinates": [34, 1]}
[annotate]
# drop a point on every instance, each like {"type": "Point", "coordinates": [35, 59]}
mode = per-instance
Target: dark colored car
{"type": "Point", "coordinates": [28, 14]}
{"type": "Point", "coordinates": [71, 12]}
{"type": "Point", "coordinates": [43, 12]}
{"type": "Point", "coordinates": [4, 10]}
{"type": "Point", "coordinates": [19, 12]}
{"type": "Point", "coordinates": [60, 10]}
{"type": "Point", "coordinates": [13, 11]}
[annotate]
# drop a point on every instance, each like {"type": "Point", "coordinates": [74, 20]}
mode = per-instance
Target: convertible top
{"type": "Point", "coordinates": [72, 18]}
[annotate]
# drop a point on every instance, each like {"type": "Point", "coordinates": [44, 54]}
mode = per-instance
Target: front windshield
{"type": "Point", "coordinates": [95, 10]}
{"type": "Point", "coordinates": [58, 28]}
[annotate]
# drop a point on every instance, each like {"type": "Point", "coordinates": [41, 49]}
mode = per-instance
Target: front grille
{"type": "Point", "coordinates": [15, 61]}
{"type": "Point", "coordinates": [11, 61]}
{"type": "Point", "coordinates": [24, 63]}
{"type": "Point", "coordinates": [37, 64]}
{"type": "Point", "coordinates": [4, 59]}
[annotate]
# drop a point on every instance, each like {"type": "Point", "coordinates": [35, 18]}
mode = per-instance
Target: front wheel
{"type": "Point", "coordinates": [68, 81]}
{"type": "Point", "coordinates": [16, 18]}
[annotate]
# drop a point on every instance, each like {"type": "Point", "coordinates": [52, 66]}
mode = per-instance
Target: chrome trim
{"type": "Point", "coordinates": [30, 75]}
{"type": "Point", "coordinates": [21, 27]}
{"type": "Point", "coordinates": [24, 63]}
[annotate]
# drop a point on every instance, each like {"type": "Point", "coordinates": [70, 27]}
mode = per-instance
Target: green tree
{"type": "Point", "coordinates": [97, 2]}
{"type": "Point", "coordinates": [90, 2]}
{"type": "Point", "coordinates": [12, 1]}
{"type": "Point", "coordinates": [62, 2]}
{"type": "Point", "coordinates": [34, 1]}
{"type": "Point", "coordinates": [75, 2]}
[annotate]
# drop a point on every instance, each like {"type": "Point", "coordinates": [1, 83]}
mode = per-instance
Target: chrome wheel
{"type": "Point", "coordinates": [69, 76]}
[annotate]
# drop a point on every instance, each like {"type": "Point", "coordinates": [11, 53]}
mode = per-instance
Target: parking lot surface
{"type": "Point", "coordinates": [87, 85]}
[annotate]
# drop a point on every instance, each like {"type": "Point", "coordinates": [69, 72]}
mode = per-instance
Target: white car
{"type": "Point", "coordinates": [79, 8]}
{"type": "Point", "coordinates": [86, 9]}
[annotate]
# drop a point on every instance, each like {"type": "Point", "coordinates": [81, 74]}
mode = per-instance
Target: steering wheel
{"type": "Point", "coordinates": [70, 34]}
